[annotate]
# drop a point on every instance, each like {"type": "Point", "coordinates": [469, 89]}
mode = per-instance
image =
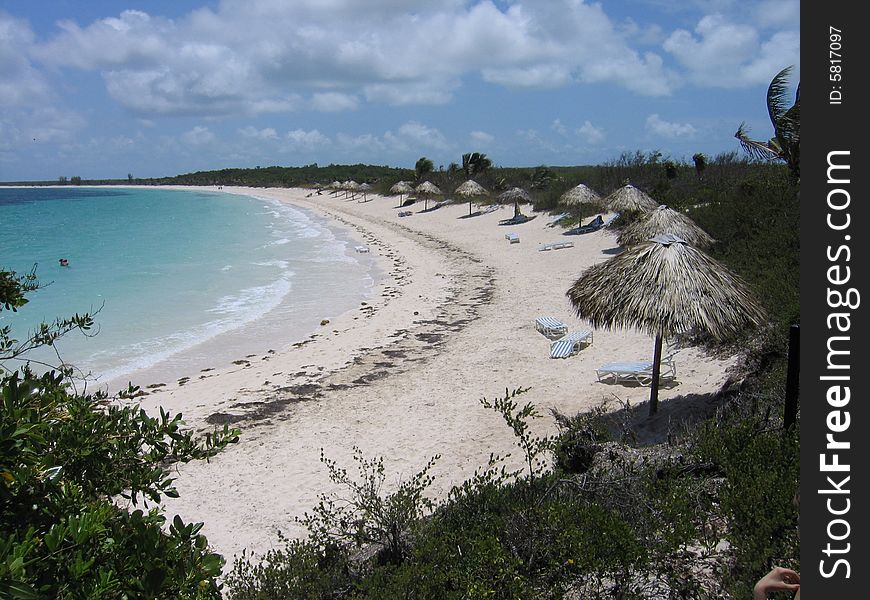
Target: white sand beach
{"type": "Point", "coordinates": [401, 377]}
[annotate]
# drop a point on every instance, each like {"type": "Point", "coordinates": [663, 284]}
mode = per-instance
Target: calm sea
{"type": "Point", "coordinates": [183, 280]}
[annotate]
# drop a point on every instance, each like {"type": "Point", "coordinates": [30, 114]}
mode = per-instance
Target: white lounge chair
{"type": "Point", "coordinates": [610, 220]}
{"type": "Point", "coordinates": [555, 246]}
{"type": "Point", "coordinates": [570, 344]}
{"type": "Point", "coordinates": [551, 327]}
{"type": "Point", "coordinates": [637, 372]}
{"type": "Point", "coordinates": [513, 238]}
{"type": "Point", "coordinates": [556, 218]}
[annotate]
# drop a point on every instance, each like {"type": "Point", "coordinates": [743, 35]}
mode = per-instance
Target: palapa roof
{"type": "Point", "coordinates": [427, 187]}
{"type": "Point", "coordinates": [401, 187]}
{"type": "Point", "coordinates": [664, 287]}
{"type": "Point", "coordinates": [630, 199]}
{"type": "Point", "coordinates": [665, 220]}
{"type": "Point", "coordinates": [350, 185]}
{"type": "Point", "coordinates": [580, 194]}
{"type": "Point", "coordinates": [470, 188]}
{"type": "Point", "coordinates": [515, 195]}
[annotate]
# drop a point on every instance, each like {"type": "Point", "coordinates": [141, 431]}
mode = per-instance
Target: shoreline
{"type": "Point", "coordinates": [452, 321]}
{"type": "Point", "coordinates": [301, 323]}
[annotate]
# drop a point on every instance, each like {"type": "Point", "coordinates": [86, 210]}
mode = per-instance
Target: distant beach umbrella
{"type": "Point", "coordinates": [580, 194]}
{"type": "Point", "coordinates": [365, 188]}
{"type": "Point", "coordinates": [350, 187]}
{"type": "Point", "coordinates": [664, 287]}
{"type": "Point", "coordinates": [427, 189]}
{"type": "Point", "coordinates": [335, 186]}
{"type": "Point", "coordinates": [470, 189]}
{"type": "Point", "coordinates": [629, 199]}
{"type": "Point", "coordinates": [515, 195]}
{"type": "Point", "coordinates": [665, 220]}
{"type": "Point", "coordinates": [401, 187]}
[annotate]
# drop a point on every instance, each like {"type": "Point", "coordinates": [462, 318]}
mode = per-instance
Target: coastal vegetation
{"type": "Point", "coordinates": [81, 479]}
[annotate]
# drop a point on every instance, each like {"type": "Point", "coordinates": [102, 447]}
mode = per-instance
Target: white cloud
{"type": "Point", "coordinates": [590, 133]}
{"type": "Point", "coordinates": [778, 13]}
{"type": "Point", "coordinates": [333, 102]}
{"type": "Point", "coordinates": [721, 53]}
{"type": "Point", "coordinates": [365, 143]}
{"type": "Point", "coordinates": [198, 136]}
{"type": "Point", "coordinates": [481, 137]}
{"type": "Point", "coordinates": [20, 84]}
{"type": "Point", "coordinates": [265, 134]}
{"type": "Point", "coordinates": [559, 127]}
{"type": "Point", "coordinates": [402, 94]}
{"type": "Point", "coordinates": [30, 114]}
{"type": "Point", "coordinates": [413, 135]}
{"type": "Point", "coordinates": [257, 56]}
{"type": "Point", "coordinates": [299, 138]}
{"type": "Point", "coordinates": [658, 126]}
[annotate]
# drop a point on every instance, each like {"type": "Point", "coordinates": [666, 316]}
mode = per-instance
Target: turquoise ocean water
{"type": "Point", "coordinates": [183, 280]}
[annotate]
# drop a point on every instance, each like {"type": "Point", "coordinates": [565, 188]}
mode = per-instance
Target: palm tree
{"type": "Point", "coordinates": [700, 163]}
{"type": "Point", "coordinates": [786, 142]}
{"type": "Point", "coordinates": [474, 163]}
{"type": "Point", "coordinates": [423, 167]}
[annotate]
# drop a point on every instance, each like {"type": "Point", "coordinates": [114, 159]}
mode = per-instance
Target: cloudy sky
{"type": "Point", "coordinates": [104, 88]}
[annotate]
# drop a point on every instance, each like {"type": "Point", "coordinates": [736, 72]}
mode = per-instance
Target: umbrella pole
{"type": "Point", "coordinates": [654, 386]}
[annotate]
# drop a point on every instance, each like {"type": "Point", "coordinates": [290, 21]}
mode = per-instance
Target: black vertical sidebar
{"type": "Point", "coordinates": [835, 227]}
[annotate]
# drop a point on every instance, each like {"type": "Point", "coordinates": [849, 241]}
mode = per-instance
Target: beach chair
{"type": "Point", "coordinates": [551, 327]}
{"type": "Point", "coordinates": [610, 220]}
{"type": "Point", "coordinates": [513, 238]}
{"type": "Point", "coordinates": [555, 246]}
{"type": "Point", "coordinates": [517, 220]}
{"type": "Point", "coordinates": [570, 344]}
{"type": "Point", "coordinates": [362, 249]}
{"type": "Point", "coordinates": [637, 372]}
{"type": "Point", "coordinates": [557, 219]}
{"type": "Point", "coordinates": [594, 225]}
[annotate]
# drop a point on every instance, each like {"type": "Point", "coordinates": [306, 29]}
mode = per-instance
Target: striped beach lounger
{"type": "Point", "coordinates": [570, 344]}
{"type": "Point", "coordinates": [551, 327]}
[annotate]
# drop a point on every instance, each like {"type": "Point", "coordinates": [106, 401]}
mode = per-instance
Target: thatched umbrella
{"type": "Point", "coordinates": [335, 186]}
{"type": "Point", "coordinates": [364, 188]}
{"type": "Point", "coordinates": [580, 194]}
{"type": "Point", "coordinates": [665, 220]}
{"type": "Point", "coordinates": [427, 189]}
{"type": "Point", "coordinates": [664, 287]}
{"type": "Point", "coordinates": [350, 187]}
{"type": "Point", "coordinates": [401, 187]}
{"type": "Point", "coordinates": [629, 199]}
{"type": "Point", "coordinates": [469, 190]}
{"type": "Point", "coordinates": [515, 195]}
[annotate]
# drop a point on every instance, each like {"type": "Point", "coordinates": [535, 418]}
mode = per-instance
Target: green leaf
{"type": "Point", "coordinates": [21, 591]}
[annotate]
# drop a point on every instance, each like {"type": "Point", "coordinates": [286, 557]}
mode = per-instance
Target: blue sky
{"type": "Point", "coordinates": [104, 88]}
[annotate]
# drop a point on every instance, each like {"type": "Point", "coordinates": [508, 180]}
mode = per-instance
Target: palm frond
{"type": "Point", "coordinates": [754, 148]}
{"type": "Point", "coordinates": [776, 102]}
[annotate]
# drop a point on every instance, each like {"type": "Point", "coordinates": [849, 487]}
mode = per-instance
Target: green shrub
{"type": "Point", "coordinates": [63, 458]}
{"type": "Point", "coordinates": [761, 469]}
{"type": "Point", "coordinates": [66, 461]}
